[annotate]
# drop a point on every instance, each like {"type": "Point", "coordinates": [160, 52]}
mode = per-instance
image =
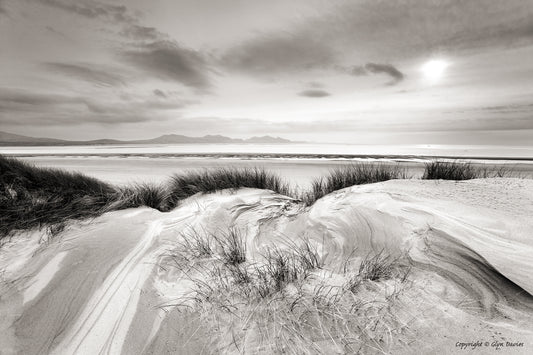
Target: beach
{"type": "Point", "coordinates": [297, 163]}
{"type": "Point", "coordinates": [266, 177]}
{"type": "Point", "coordinates": [120, 284]}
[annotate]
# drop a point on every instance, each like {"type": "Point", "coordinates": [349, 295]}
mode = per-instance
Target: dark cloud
{"type": "Point", "coordinates": [88, 73]}
{"type": "Point", "coordinates": [277, 54]}
{"type": "Point", "coordinates": [356, 70]}
{"type": "Point", "coordinates": [375, 68]}
{"type": "Point", "coordinates": [19, 107]}
{"type": "Point", "coordinates": [159, 93]}
{"type": "Point", "coordinates": [314, 93]}
{"type": "Point", "coordinates": [138, 32]}
{"type": "Point", "coordinates": [115, 14]}
{"type": "Point", "coordinates": [21, 98]}
{"type": "Point", "coordinates": [93, 9]}
{"type": "Point", "coordinates": [147, 49]}
{"type": "Point", "coordinates": [388, 69]}
{"type": "Point", "coordinates": [383, 29]}
{"type": "Point", "coordinates": [168, 61]}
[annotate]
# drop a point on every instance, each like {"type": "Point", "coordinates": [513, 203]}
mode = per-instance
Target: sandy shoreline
{"type": "Point", "coordinates": [299, 172]}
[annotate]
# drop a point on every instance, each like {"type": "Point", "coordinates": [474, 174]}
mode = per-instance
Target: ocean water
{"type": "Point", "coordinates": [479, 151]}
{"type": "Point", "coordinates": [297, 163]}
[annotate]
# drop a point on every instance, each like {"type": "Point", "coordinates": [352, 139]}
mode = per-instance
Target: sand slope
{"type": "Point", "coordinates": [99, 287]}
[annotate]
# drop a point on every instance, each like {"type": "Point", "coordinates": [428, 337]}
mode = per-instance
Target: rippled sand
{"type": "Point", "coordinates": [100, 286]}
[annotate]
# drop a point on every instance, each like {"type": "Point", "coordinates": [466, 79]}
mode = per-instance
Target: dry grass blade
{"type": "Point", "coordinates": [350, 175]}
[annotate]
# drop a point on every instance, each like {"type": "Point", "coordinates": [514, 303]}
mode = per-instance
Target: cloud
{"type": "Point", "coordinates": [138, 32]}
{"type": "Point", "coordinates": [93, 9]}
{"type": "Point", "coordinates": [114, 14]}
{"type": "Point", "coordinates": [147, 49]}
{"type": "Point", "coordinates": [388, 69]}
{"type": "Point", "coordinates": [168, 61]}
{"type": "Point", "coordinates": [30, 108]}
{"type": "Point", "coordinates": [411, 27]}
{"type": "Point", "coordinates": [159, 93]}
{"type": "Point", "coordinates": [375, 68]}
{"type": "Point", "coordinates": [22, 98]}
{"type": "Point", "coordinates": [274, 54]}
{"type": "Point", "coordinates": [87, 73]}
{"type": "Point", "coordinates": [314, 93]}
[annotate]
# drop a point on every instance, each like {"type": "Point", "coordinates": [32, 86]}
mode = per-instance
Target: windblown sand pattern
{"type": "Point", "coordinates": [116, 284]}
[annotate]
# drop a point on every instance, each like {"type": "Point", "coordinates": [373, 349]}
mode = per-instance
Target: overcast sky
{"type": "Point", "coordinates": [383, 72]}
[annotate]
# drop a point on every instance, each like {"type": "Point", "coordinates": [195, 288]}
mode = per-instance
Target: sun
{"type": "Point", "coordinates": [434, 69]}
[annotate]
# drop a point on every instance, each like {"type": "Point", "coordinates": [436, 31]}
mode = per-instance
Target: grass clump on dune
{"type": "Point", "coordinates": [232, 247]}
{"type": "Point", "coordinates": [449, 171]}
{"type": "Point", "coordinates": [380, 266]}
{"type": "Point", "coordinates": [154, 196]}
{"type": "Point", "coordinates": [32, 197]}
{"type": "Point", "coordinates": [288, 301]}
{"type": "Point", "coordinates": [350, 175]}
{"type": "Point", "coordinates": [454, 170]}
{"type": "Point", "coordinates": [186, 185]}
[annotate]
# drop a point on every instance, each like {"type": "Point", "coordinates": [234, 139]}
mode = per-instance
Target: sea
{"type": "Point", "coordinates": [299, 164]}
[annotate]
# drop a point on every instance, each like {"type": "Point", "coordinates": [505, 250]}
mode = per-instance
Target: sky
{"type": "Point", "coordinates": [360, 71]}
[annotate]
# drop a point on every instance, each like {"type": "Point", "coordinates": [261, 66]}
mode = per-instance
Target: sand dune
{"type": "Point", "coordinates": [111, 286]}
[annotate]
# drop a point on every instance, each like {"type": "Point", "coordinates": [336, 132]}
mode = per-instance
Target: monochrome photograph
{"type": "Point", "coordinates": [266, 177]}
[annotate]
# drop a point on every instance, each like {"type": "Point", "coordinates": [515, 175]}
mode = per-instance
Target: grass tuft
{"type": "Point", "coordinates": [154, 196]}
{"type": "Point", "coordinates": [232, 247]}
{"type": "Point", "coordinates": [255, 304]}
{"type": "Point", "coordinates": [350, 175]}
{"type": "Point", "coordinates": [377, 267]}
{"type": "Point", "coordinates": [436, 170]}
{"type": "Point", "coordinates": [197, 244]}
{"type": "Point", "coordinates": [189, 184]}
{"type": "Point", "coordinates": [32, 197]}
{"type": "Point", "coordinates": [455, 170]}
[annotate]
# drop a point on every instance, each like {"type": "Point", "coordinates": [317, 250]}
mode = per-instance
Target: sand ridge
{"type": "Point", "coordinates": [99, 286]}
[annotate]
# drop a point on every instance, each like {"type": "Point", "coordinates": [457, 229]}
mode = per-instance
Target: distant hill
{"type": "Point", "coordinates": [19, 140]}
{"type": "Point", "coordinates": [10, 138]}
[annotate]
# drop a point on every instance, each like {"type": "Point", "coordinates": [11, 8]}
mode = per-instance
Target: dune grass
{"type": "Point", "coordinates": [456, 170]}
{"type": "Point", "coordinates": [375, 267]}
{"type": "Point", "coordinates": [150, 195]}
{"type": "Point", "coordinates": [279, 303]}
{"type": "Point", "coordinates": [232, 247]}
{"type": "Point", "coordinates": [35, 197]}
{"type": "Point", "coordinates": [436, 170]}
{"type": "Point", "coordinates": [185, 185]}
{"type": "Point", "coordinates": [350, 175]}
{"type": "Point", "coordinates": [32, 197]}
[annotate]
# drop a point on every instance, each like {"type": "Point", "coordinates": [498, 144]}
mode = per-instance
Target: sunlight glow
{"type": "Point", "coordinates": [434, 69]}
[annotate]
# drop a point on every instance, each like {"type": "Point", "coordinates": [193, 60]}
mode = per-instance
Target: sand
{"type": "Point", "coordinates": [296, 171]}
{"type": "Point", "coordinates": [111, 286]}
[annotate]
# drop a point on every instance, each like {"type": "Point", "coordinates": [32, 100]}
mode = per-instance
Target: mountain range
{"type": "Point", "coordinates": [19, 140]}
